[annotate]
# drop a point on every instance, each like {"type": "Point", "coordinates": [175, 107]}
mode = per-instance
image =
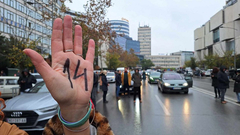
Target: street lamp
{"type": "Point", "coordinates": [234, 43]}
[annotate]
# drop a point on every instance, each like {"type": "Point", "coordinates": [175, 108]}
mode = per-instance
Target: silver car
{"type": "Point", "coordinates": [31, 111]}
{"type": "Point", "coordinates": [110, 77]}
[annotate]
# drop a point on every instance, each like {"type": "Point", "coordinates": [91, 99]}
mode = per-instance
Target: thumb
{"type": "Point", "coordinates": [40, 64]}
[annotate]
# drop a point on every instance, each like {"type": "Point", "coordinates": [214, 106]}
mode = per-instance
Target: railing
{"type": "Point", "coordinates": [14, 91]}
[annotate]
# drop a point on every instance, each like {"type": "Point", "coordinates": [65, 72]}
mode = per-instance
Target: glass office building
{"type": "Point", "coordinates": [23, 19]}
{"type": "Point", "coordinates": [121, 27]}
{"type": "Point", "coordinates": [133, 44]}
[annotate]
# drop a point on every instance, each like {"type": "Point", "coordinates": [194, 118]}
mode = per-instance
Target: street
{"type": "Point", "coordinates": [196, 113]}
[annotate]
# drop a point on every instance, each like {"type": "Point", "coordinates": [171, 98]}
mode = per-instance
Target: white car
{"type": "Point", "coordinates": [111, 77]}
{"type": "Point", "coordinates": [6, 85]}
{"type": "Point", "coordinates": [208, 72]}
{"type": "Point", "coordinates": [38, 77]}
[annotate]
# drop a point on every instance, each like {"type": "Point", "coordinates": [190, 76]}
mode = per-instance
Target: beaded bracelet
{"type": "Point", "coordinates": [78, 123]}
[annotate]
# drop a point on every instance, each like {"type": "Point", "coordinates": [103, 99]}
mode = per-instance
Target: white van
{"type": "Point", "coordinates": [6, 85]}
{"type": "Point", "coordinates": [121, 69]}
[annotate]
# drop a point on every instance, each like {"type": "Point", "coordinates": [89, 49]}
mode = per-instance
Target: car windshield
{"type": "Point", "coordinates": [155, 74]}
{"type": "Point", "coordinates": [110, 74]}
{"type": "Point", "coordinates": [39, 88]}
{"type": "Point", "coordinates": [172, 77]}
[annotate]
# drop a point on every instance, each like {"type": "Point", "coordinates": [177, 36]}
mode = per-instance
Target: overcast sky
{"type": "Point", "coordinates": [172, 21]}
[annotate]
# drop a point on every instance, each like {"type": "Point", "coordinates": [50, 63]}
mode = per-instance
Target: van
{"type": "Point", "coordinates": [6, 85]}
{"type": "Point", "coordinates": [121, 69]}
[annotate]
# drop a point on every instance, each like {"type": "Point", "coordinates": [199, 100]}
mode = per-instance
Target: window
{"type": "Point", "coordinates": [216, 35]}
{"type": "Point", "coordinates": [230, 45]}
{"type": "Point", "coordinates": [11, 82]}
{"type": "Point", "coordinates": [21, 20]}
{"type": "Point", "coordinates": [1, 26]}
{"type": "Point", "coordinates": [1, 81]}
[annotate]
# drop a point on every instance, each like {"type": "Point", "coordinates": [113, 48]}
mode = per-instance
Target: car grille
{"type": "Point", "coordinates": [30, 115]}
{"type": "Point", "coordinates": [180, 84]}
{"type": "Point", "coordinates": [172, 84]}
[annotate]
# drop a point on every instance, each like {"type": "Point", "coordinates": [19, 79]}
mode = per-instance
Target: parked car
{"type": "Point", "coordinates": [208, 73]}
{"type": "Point", "coordinates": [172, 82]}
{"type": "Point", "coordinates": [154, 77]}
{"type": "Point", "coordinates": [111, 77]}
{"type": "Point", "coordinates": [38, 77]}
{"type": "Point", "coordinates": [6, 85]}
{"type": "Point", "coordinates": [31, 111]}
{"type": "Point", "coordinates": [232, 72]}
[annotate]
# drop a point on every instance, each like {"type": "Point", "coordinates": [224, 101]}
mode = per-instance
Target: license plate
{"type": "Point", "coordinates": [17, 120]}
{"type": "Point", "coordinates": [177, 88]}
{"type": "Point", "coordinates": [157, 80]}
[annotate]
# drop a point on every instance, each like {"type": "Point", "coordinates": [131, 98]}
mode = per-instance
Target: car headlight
{"type": "Point", "coordinates": [113, 77]}
{"type": "Point", "coordinates": [120, 86]}
{"type": "Point", "coordinates": [151, 78]}
{"type": "Point", "coordinates": [166, 84]}
{"type": "Point", "coordinates": [48, 109]}
{"type": "Point", "coordinates": [185, 84]}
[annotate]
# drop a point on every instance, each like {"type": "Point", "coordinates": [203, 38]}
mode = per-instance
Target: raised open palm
{"type": "Point", "coordinates": [70, 79]}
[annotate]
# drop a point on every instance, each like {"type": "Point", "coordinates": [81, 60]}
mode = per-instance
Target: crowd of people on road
{"type": "Point", "coordinates": [220, 82]}
{"type": "Point", "coordinates": [122, 79]}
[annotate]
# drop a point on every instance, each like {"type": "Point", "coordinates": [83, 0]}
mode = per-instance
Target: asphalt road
{"type": "Point", "coordinates": [196, 113]}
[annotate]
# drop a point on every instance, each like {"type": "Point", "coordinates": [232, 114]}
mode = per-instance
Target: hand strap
{"type": "Point", "coordinates": [78, 123]}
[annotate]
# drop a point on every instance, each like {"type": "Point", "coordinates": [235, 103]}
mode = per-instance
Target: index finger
{"type": "Point", "coordinates": [91, 51]}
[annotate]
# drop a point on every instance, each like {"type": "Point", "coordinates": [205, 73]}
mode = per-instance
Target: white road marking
{"type": "Point", "coordinates": [101, 99]}
{"type": "Point", "coordinates": [228, 99]}
{"type": "Point", "coordinates": [163, 106]}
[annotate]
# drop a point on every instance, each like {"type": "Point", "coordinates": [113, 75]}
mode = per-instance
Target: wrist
{"type": "Point", "coordinates": [74, 113]}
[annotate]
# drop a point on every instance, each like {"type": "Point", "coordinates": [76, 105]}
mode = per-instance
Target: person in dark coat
{"type": "Point", "coordinates": [94, 89]}
{"type": "Point", "coordinates": [223, 82]}
{"type": "Point", "coordinates": [26, 80]}
{"type": "Point", "coordinates": [2, 73]}
{"type": "Point", "coordinates": [104, 85]}
{"type": "Point", "coordinates": [137, 78]}
{"type": "Point", "coordinates": [118, 83]}
{"type": "Point", "coordinates": [237, 86]}
{"type": "Point", "coordinates": [215, 82]}
{"type": "Point", "coordinates": [144, 75]}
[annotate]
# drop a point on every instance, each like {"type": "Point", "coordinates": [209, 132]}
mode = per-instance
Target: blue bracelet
{"type": "Point", "coordinates": [78, 123]}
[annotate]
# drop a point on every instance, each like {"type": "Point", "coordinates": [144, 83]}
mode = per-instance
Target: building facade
{"type": "Point", "coordinates": [185, 56]}
{"type": "Point", "coordinates": [121, 27]}
{"type": "Point", "coordinates": [24, 19]}
{"type": "Point", "coordinates": [219, 34]}
{"type": "Point", "coordinates": [132, 44]}
{"type": "Point", "coordinates": [144, 37]}
{"type": "Point", "coordinates": [165, 61]}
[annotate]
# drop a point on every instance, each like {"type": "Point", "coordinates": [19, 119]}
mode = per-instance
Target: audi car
{"type": "Point", "coordinates": [30, 111]}
{"type": "Point", "coordinates": [172, 82]}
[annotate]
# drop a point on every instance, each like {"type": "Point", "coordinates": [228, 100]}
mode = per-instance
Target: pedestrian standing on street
{"type": "Point", "coordinates": [26, 80]}
{"type": "Point", "coordinates": [94, 89]}
{"type": "Point", "coordinates": [237, 86]}
{"type": "Point", "coordinates": [2, 73]}
{"type": "Point", "coordinates": [100, 80]}
{"type": "Point", "coordinates": [136, 77]}
{"type": "Point", "coordinates": [227, 72]}
{"type": "Point", "coordinates": [144, 75]}
{"type": "Point", "coordinates": [104, 86]}
{"type": "Point", "coordinates": [215, 82]}
{"type": "Point", "coordinates": [223, 83]}
{"type": "Point", "coordinates": [118, 83]}
{"type": "Point", "coordinates": [126, 81]}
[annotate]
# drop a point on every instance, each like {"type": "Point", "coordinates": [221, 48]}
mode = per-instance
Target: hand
{"type": "Point", "coordinates": [70, 91]}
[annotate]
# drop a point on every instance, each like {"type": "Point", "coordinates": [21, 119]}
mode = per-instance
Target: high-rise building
{"type": "Point", "coordinates": [121, 27]}
{"type": "Point", "coordinates": [23, 19]}
{"type": "Point", "coordinates": [133, 44]}
{"type": "Point", "coordinates": [144, 37]}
